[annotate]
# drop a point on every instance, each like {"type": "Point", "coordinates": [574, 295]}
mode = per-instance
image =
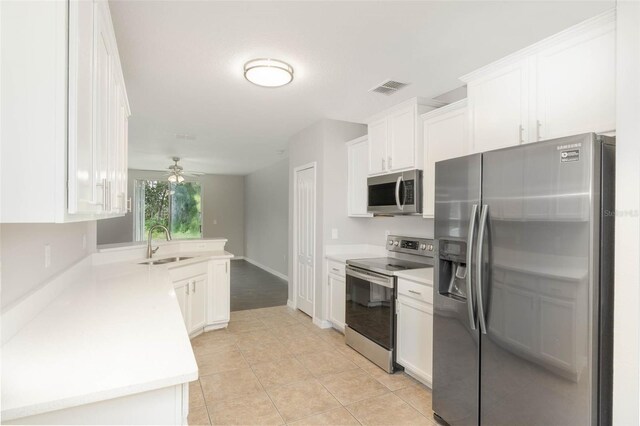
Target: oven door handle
{"type": "Point", "coordinates": [398, 183]}
{"type": "Point", "coordinates": [375, 279]}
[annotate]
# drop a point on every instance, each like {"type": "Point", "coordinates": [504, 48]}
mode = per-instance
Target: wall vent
{"type": "Point", "coordinates": [389, 87]}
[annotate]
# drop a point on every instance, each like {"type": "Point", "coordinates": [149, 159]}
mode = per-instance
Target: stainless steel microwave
{"type": "Point", "coordinates": [395, 193]}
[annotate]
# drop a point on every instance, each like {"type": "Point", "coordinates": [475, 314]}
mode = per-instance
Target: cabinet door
{"type": "Point", "coordinates": [198, 303]}
{"type": "Point", "coordinates": [103, 104]}
{"type": "Point", "coordinates": [415, 337]}
{"type": "Point", "coordinates": [402, 140]}
{"type": "Point", "coordinates": [182, 294]}
{"type": "Point", "coordinates": [498, 108]}
{"type": "Point", "coordinates": [219, 294]}
{"type": "Point", "coordinates": [337, 295]}
{"type": "Point", "coordinates": [357, 154]}
{"type": "Point", "coordinates": [576, 85]}
{"type": "Point", "coordinates": [378, 146]}
{"type": "Point", "coordinates": [445, 137]}
{"type": "Point", "coordinates": [81, 188]}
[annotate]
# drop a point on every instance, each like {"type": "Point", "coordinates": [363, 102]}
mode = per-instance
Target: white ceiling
{"type": "Point", "coordinates": [183, 63]}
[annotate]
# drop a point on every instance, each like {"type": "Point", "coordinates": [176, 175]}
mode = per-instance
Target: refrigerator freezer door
{"type": "Point", "coordinates": [538, 293]}
{"type": "Point", "coordinates": [455, 345]}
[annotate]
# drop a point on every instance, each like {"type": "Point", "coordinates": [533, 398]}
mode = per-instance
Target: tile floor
{"type": "Point", "coordinates": [272, 366]}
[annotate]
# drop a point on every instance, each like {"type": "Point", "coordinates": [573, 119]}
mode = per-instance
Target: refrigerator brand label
{"type": "Point", "coordinates": [570, 155]}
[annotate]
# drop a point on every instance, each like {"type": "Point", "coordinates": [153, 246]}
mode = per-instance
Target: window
{"type": "Point", "coordinates": [178, 206]}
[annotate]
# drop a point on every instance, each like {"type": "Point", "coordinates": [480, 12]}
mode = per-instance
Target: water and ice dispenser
{"type": "Point", "coordinates": [452, 269]}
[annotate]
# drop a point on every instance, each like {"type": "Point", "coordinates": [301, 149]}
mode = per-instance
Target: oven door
{"type": "Point", "coordinates": [370, 305]}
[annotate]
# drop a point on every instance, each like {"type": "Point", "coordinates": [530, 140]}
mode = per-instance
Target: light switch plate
{"type": "Point", "coordinates": [334, 233]}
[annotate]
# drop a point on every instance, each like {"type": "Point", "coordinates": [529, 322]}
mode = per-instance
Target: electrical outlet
{"type": "Point", "coordinates": [334, 234]}
{"type": "Point", "coordinates": [47, 255]}
{"type": "Point", "coordinates": [387, 233]}
{"type": "Point", "coordinates": [215, 221]}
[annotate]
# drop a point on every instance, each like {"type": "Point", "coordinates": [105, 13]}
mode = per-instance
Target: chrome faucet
{"type": "Point", "coordinates": [150, 251]}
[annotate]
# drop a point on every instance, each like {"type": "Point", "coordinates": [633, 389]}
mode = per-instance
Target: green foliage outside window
{"type": "Point", "coordinates": [176, 206]}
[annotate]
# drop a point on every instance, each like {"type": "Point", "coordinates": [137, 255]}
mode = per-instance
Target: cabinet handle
{"type": "Point", "coordinates": [390, 166]}
{"type": "Point", "coordinates": [538, 125]}
{"type": "Point", "coordinates": [103, 186]}
{"type": "Point", "coordinates": [193, 286]}
{"type": "Point", "coordinates": [188, 289]}
{"type": "Point", "coordinates": [414, 292]}
{"type": "Point", "coordinates": [129, 205]}
{"type": "Point", "coordinates": [521, 131]}
{"type": "Point", "coordinates": [383, 164]}
{"type": "Point", "coordinates": [335, 269]}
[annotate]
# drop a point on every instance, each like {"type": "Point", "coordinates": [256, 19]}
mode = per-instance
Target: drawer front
{"type": "Point", "coordinates": [336, 268]}
{"type": "Point", "coordinates": [415, 290]}
{"type": "Point", "coordinates": [179, 273]}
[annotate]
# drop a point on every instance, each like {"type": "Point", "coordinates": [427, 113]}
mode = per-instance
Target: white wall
{"type": "Point", "coordinates": [626, 373]}
{"type": "Point", "coordinates": [266, 226]}
{"type": "Point", "coordinates": [22, 254]}
{"type": "Point", "coordinates": [222, 203]}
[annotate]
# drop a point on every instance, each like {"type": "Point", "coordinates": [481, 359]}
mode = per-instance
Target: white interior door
{"type": "Point", "coordinates": [304, 238]}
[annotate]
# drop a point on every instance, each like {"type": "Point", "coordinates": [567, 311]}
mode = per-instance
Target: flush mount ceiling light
{"type": "Point", "coordinates": [268, 72]}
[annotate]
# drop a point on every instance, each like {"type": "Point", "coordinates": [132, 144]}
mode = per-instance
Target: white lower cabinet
{"type": "Point", "coordinates": [192, 298]}
{"type": "Point", "coordinates": [218, 309]}
{"type": "Point", "coordinates": [415, 330]}
{"type": "Point", "coordinates": [202, 291]}
{"type": "Point", "coordinates": [337, 290]}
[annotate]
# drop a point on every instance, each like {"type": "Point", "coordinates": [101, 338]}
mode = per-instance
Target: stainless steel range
{"type": "Point", "coordinates": [371, 297]}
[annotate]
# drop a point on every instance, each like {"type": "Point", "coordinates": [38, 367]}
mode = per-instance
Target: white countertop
{"type": "Point", "coordinates": [422, 276]}
{"type": "Point", "coordinates": [116, 332]}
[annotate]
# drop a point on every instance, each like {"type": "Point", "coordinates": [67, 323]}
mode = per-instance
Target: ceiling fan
{"type": "Point", "coordinates": [176, 172]}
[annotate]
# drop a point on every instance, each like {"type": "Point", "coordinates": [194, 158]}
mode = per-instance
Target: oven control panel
{"type": "Point", "coordinates": [410, 245]}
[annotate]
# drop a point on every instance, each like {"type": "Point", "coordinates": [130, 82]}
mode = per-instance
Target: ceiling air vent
{"type": "Point", "coordinates": [389, 87]}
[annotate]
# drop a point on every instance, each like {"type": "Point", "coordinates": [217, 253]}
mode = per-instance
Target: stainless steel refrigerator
{"type": "Point", "coordinates": [523, 285]}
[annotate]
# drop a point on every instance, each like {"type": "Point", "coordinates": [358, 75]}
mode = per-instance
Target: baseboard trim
{"type": "Point", "coordinates": [291, 304]}
{"type": "Point", "coordinates": [266, 268]}
{"type": "Point", "coordinates": [322, 323]}
{"type": "Point", "coordinates": [238, 258]}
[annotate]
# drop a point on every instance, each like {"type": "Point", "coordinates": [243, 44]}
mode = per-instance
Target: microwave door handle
{"type": "Point", "coordinates": [472, 228]}
{"type": "Point", "coordinates": [398, 183]}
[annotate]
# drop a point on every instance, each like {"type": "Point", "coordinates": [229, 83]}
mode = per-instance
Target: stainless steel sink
{"type": "Point", "coordinates": [163, 261]}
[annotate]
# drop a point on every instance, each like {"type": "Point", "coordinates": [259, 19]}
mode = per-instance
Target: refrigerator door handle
{"type": "Point", "coordinates": [472, 229]}
{"type": "Point", "coordinates": [483, 225]}
{"type": "Point", "coordinates": [398, 182]}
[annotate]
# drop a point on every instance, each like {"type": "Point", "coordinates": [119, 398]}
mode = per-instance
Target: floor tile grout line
{"type": "Point", "coordinates": [265, 391]}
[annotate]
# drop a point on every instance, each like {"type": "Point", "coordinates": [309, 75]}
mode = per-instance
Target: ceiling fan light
{"type": "Point", "coordinates": [172, 178]}
{"type": "Point", "coordinates": [268, 72]}
{"type": "Point", "coordinates": [180, 179]}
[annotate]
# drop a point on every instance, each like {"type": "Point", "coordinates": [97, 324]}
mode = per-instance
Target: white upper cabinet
{"type": "Point", "coordinates": [575, 90]}
{"type": "Point", "coordinates": [395, 139]}
{"type": "Point", "coordinates": [402, 140]}
{"type": "Point", "coordinates": [499, 107]}
{"type": "Point", "coordinates": [560, 86]}
{"type": "Point", "coordinates": [357, 171]}
{"type": "Point", "coordinates": [71, 165]}
{"type": "Point", "coordinates": [378, 146]}
{"type": "Point", "coordinates": [445, 137]}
